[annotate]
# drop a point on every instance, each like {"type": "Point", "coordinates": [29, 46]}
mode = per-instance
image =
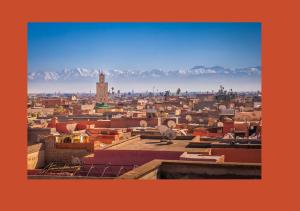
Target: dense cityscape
{"type": "Point", "coordinates": [151, 135]}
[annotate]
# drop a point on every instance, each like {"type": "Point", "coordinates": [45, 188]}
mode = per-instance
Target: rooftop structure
{"type": "Point", "coordinates": [102, 89]}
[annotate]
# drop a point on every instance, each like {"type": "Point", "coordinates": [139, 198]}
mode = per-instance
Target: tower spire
{"type": "Point", "coordinates": [102, 88]}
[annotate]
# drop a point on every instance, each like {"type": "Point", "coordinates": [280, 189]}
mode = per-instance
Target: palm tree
{"type": "Point", "coordinates": [178, 91]}
{"type": "Point", "coordinates": [112, 90]}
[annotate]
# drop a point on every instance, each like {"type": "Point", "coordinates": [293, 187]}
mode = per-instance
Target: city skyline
{"type": "Point", "coordinates": [197, 79]}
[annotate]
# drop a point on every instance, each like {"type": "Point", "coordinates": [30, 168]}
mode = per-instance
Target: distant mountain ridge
{"type": "Point", "coordinates": [84, 74]}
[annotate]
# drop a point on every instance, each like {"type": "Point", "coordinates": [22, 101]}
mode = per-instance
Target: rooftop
{"type": "Point", "coordinates": [101, 105]}
{"type": "Point", "coordinates": [156, 145]}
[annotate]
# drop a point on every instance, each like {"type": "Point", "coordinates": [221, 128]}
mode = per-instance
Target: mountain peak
{"type": "Point", "coordinates": [91, 74]}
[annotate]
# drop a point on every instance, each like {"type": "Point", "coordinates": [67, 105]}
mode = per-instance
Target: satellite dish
{"type": "Point", "coordinates": [222, 107]}
{"type": "Point", "coordinates": [170, 134]}
{"type": "Point", "coordinates": [228, 136]}
{"type": "Point", "coordinates": [220, 124]}
{"type": "Point", "coordinates": [205, 109]}
{"type": "Point", "coordinates": [75, 161]}
{"type": "Point", "coordinates": [201, 120]}
{"type": "Point", "coordinates": [171, 124]}
{"type": "Point", "coordinates": [162, 129]}
{"type": "Point", "coordinates": [227, 119]}
{"type": "Point", "coordinates": [188, 118]}
{"type": "Point", "coordinates": [167, 134]}
{"type": "Point", "coordinates": [143, 123]}
{"type": "Point", "coordinates": [71, 127]}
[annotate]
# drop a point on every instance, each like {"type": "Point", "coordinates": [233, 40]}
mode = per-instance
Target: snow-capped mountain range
{"type": "Point", "coordinates": [92, 74]}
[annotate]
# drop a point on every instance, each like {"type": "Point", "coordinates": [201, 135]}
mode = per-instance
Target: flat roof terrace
{"type": "Point", "coordinates": [243, 155]}
{"type": "Point", "coordinates": [157, 145]}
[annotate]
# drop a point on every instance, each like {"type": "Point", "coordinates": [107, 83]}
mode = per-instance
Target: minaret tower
{"type": "Point", "coordinates": [101, 89]}
{"type": "Point", "coordinates": [101, 77]}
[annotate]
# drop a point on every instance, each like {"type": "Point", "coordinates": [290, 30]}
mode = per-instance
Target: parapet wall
{"type": "Point", "coordinates": [36, 160]}
{"type": "Point", "coordinates": [65, 155]}
{"type": "Point", "coordinates": [126, 122]}
{"type": "Point", "coordinates": [61, 153]}
{"type": "Point", "coordinates": [168, 169]}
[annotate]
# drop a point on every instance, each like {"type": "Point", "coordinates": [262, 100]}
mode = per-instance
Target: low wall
{"type": "Point", "coordinates": [167, 169]}
{"type": "Point", "coordinates": [65, 155]}
{"type": "Point", "coordinates": [238, 155]}
{"type": "Point", "coordinates": [86, 146]}
{"type": "Point", "coordinates": [36, 159]}
{"type": "Point", "coordinates": [52, 153]}
{"type": "Point", "coordinates": [208, 170]}
{"type": "Point", "coordinates": [35, 156]}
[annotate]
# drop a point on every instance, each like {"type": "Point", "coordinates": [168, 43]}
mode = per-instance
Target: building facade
{"type": "Point", "coordinates": [102, 89]}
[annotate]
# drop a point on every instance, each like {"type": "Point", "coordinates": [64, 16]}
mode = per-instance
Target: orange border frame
{"type": "Point", "coordinates": [275, 191]}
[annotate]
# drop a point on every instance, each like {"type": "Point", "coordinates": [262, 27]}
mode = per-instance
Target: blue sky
{"type": "Point", "coordinates": [142, 46]}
